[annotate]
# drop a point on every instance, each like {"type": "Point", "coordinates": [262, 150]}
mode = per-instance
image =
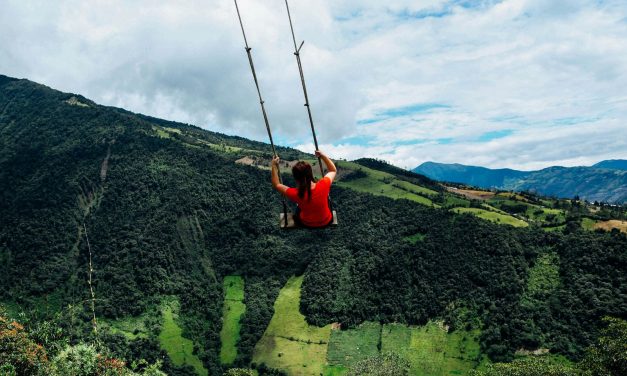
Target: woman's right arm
{"type": "Point", "coordinates": [331, 169]}
{"type": "Point", "coordinates": [276, 182]}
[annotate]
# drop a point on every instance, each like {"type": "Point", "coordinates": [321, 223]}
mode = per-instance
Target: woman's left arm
{"type": "Point", "coordinates": [276, 182]}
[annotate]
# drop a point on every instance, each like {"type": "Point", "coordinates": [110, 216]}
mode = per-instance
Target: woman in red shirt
{"type": "Point", "coordinates": [311, 196]}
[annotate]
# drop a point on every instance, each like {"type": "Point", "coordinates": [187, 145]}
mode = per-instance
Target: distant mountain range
{"type": "Point", "coordinates": [605, 181]}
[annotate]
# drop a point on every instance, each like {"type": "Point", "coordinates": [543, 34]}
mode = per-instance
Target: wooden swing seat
{"type": "Point", "coordinates": [292, 224]}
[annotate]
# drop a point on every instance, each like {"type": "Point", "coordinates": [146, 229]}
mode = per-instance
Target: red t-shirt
{"type": "Point", "coordinates": [314, 212]}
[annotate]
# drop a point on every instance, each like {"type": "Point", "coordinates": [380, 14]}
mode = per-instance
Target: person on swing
{"type": "Point", "coordinates": [311, 196]}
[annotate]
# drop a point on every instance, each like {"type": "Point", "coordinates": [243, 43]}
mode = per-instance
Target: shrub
{"type": "Point", "coordinates": [19, 355]}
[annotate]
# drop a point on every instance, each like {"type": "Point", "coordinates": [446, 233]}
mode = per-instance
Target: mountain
{"type": "Point", "coordinates": [605, 181]}
{"type": "Point", "coordinates": [614, 164]}
{"type": "Point", "coordinates": [477, 176]}
{"type": "Point", "coordinates": [189, 266]}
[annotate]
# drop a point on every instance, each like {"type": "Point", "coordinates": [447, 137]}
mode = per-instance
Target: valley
{"type": "Point", "coordinates": [191, 269]}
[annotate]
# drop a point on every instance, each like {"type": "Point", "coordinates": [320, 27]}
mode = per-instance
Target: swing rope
{"type": "Point", "coordinates": [261, 102]}
{"type": "Point", "coordinates": [302, 80]}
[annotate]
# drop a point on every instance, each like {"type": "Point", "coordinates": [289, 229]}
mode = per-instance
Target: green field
{"type": "Point", "coordinates": [451, 200]}
{"type": "Point", "coordinates": [493, 216]}
{"type": "Point", "coordinates": [380, 188]}
{"type": "Point", "coordinates": [289, 343]}
{"type": "Point", "coordinates": [432, 351]}
{"type": "Point", "coordinates": [559, 216]}
{"type": "Point", "coordinates": [384, 184]}
{"type": "Point", "coordinates": [350, 346]}
{"type": "Point", "coordinates": [161, 133]}
{"type": "Point", "coordinates": [232, 311]}
{"type": "Point", "coordinates": [129, 327]}
{"type": "Point", "coordinates": [532, 211]}
{"type": "Point", "coordinates": [179, 349]}
{"type": "Point", "coordinates": [588, 223]}
{"type": "Point", "coordinates": [554, 229]}
{"type": "Point", "coordinates": [415, 188]}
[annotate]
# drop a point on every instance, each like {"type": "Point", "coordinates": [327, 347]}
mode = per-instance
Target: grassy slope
{"type": "Point", "coordinates": [289, 343]}
{"type": "Point", "coordinates": [588, 223]}
{"type": "Point", "coordinates": [384, 184]}
{"type": "Point", "coordinates": [233, 309]}
{"type": "Point", "coordinates": [130, 327]}
{"type": "Point", "coordinates": [350, 346]}
{"type": "Point", "coordinates": [503, 200]}
{"type": "Point", "coordinates": [492, 216]}
{"type": "Point", "coordinates": [171, 338]}
{"type": "Point", "coordinates": [431, 350]}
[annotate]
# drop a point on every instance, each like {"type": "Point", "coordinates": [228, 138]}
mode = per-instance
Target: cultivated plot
{"type": "Point", "coordinates": [232, 311]}
{"type": "Point", "coordinates": [289, 343]}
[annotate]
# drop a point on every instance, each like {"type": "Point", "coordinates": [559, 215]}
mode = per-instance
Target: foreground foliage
{"type": "Point", "coordinates": [20, 355]}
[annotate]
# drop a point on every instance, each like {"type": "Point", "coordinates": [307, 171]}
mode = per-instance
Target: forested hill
{"type": "Point", "coordinates": [605, 181]}
{"type": "Point", "coordinates": [169, 214]}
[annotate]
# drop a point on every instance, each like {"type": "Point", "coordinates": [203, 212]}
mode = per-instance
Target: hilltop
{"type": "Point", "coordinates": [190, 266]}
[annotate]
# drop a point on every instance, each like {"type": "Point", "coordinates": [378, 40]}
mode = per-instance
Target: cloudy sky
{"type": "Point", "coordinates": [515, 83]}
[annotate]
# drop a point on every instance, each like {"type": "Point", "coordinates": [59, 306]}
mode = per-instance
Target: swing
{"type": "Point", "coordinates": [291, 223]}
{"type": "Point", "coordinates": [286, 220]}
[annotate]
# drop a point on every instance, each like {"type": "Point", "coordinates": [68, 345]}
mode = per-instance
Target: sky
{"type": "Point", "coordinates": [522, 84]}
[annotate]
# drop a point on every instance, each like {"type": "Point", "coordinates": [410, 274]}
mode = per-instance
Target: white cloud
{"type": "Point", "coordinates": [553, 73]}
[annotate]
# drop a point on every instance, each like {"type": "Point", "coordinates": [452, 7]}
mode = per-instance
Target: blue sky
{"type": "Point", "coordinates": [514, 83]}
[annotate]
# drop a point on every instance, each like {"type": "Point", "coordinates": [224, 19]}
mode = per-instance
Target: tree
{"type": "Point", "coordinates": [609, 355]}
{"type": "Point", "coordinates": [19, 355]}
{"type": "Point", "coordinates": [529, 366]}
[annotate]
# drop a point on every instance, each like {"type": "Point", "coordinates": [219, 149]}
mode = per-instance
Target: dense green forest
{"type": "Point", "coordinates": [168, 212]}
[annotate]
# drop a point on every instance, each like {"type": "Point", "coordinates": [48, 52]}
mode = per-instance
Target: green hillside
{"type": "Point", "coordinates": [170, 214]}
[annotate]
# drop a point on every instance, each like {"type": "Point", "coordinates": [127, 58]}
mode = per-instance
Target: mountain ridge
{"type": "Point", "coordinates": [605, 181]}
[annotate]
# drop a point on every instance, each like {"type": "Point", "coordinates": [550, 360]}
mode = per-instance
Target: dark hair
{"type": "Point", "coordinates": [303, 176]}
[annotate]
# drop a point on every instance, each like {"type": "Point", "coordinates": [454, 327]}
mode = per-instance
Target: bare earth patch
{"type": "Point", "coordinates": [471, 193]}
{"type": "Point", "coordinates": [525, 352]}
{"type": "Point", "coordinates": [612, 223]}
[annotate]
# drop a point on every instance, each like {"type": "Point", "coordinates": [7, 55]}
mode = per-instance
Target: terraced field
{"type": "Point", "coordinates": [430, 350]}
{"type": "Point", "coordinates": [493, 216]}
